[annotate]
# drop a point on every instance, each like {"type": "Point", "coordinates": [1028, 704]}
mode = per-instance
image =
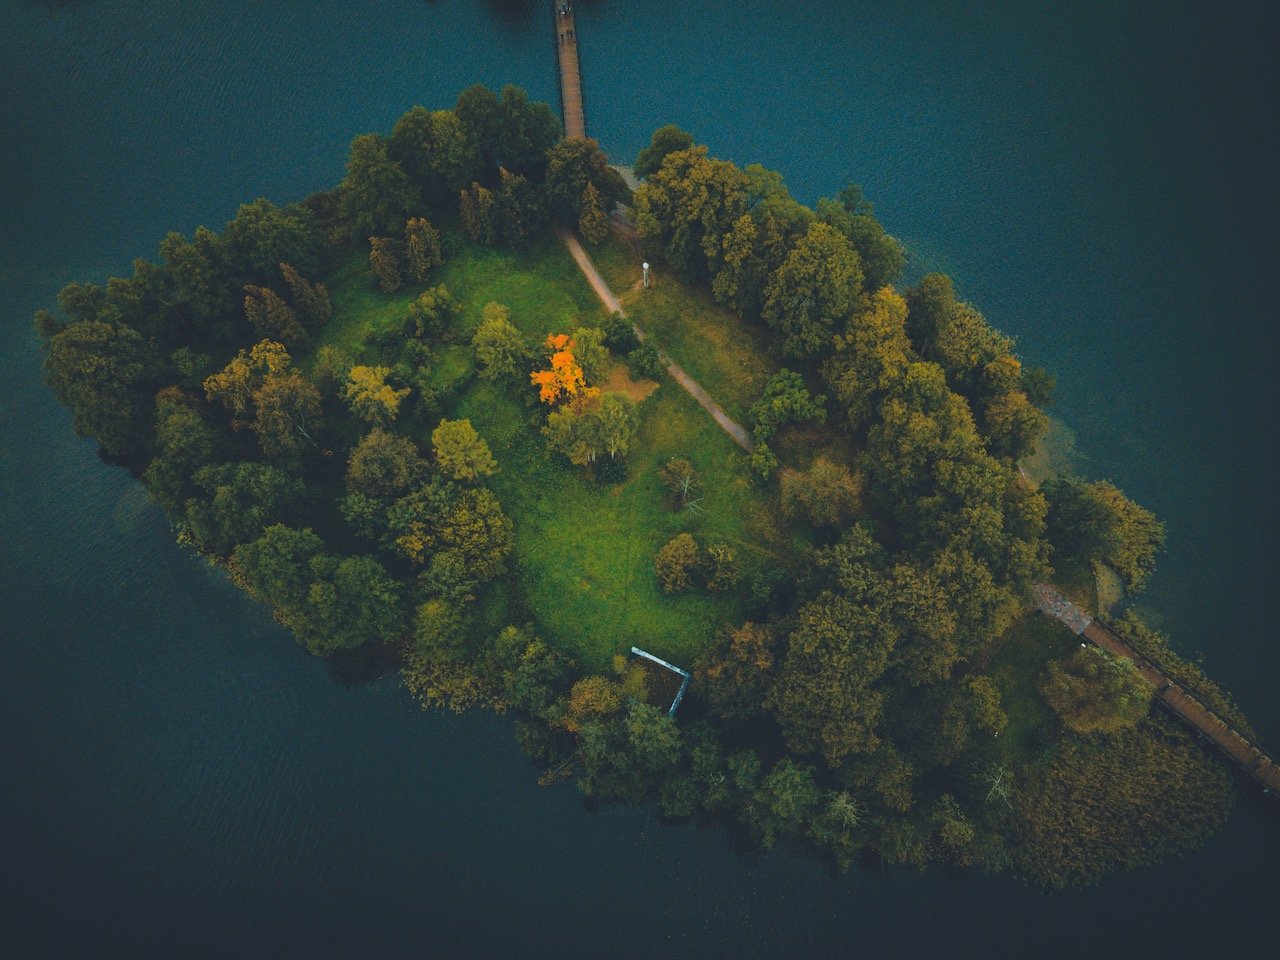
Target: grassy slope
{"type": "Point", "coordinates": [724, 354]}
{"type": "Point", "coordinates": [584, 551]}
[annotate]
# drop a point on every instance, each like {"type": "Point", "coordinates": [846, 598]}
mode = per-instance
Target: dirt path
{"type": "Point", "coordinates": [691, 386]}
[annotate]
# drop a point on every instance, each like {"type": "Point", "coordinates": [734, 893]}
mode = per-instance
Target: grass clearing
{"type": "Point", "coordinates": [583, 561]}
{"type": "Point", "coordinates": [1015, 663]}
{"type": "Point", "coordinates": [726, 355]}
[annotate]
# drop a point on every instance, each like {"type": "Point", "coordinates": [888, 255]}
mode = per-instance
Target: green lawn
{"type": "Point", "coordinates": [358, 305]}
{"type": "Point", "coordinates": [1016, 663]}
{"type": "Point", "coordinates": [728, 356]}
{"type": "Point", "coordinates": [542, 286]}
{"type": "Point", "coordinates": [583, 562]}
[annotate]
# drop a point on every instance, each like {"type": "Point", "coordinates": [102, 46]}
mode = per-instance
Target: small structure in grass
{"type": "Point", "coordinates": [663, 680]}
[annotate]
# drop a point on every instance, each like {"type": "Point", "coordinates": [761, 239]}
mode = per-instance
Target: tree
{"type": "Point", "coordinates": [377, 196]}
{"type": "Point", "coordinates": [439, 631]}
{"type": "Point", "coordinates": [421, 247]}
{"type": "Point", "coordinates": [182, 435]}
{"type": "Point", "coordinates": [477, 209]}
{"type": "Point", "coordinates": [500, 349]}
{"type": "Point", "coordinates": [311, 300]}
{"type": "Point", "coordinates": [1013, 426]}
{"type": "Point", "coordinates": [517, 209]}
{"type": "Point", "coordinates": [384, 264]}
{"type": "Point", "coordinates": [461, 452]}
{"type": "Point", "coordinates": [526, 133]}
{"type": "Point", "coordinates": [575, 166]}
{"type": "Point", "coordinates": [685, 209]}
{"type": "Point", "coordinates": [881, 255]}
{"type": "Point", "coordinates": [592, 698]}
{"type": "Point", "coordinates": [827, 494]}
{"type": "Point", "coordinates": [184, 443]}
{"type": "Point", "coordinates": [385, 466]}
{"type": "Point", "coordinates": [679, 476]}
{"type": "Point", "coordinates": [677, 563]}
{"type": "Point", "coordinates": [565, 377]}
{"type": "Point", "coordinates": [823, 697]}
{"type": "Point", "coordinates": [330, 371]}
{"type": "Point", "coordinates": [478, 532]}
{"type": "Point", "coordinates": [665, 140]}
{"type": "Point", "coordinates": [1095, 521]}
{"type": "Point", "coordinates": [478, 112]}
{"type": "Point", "coordinates": [203, 282]}
{"type": "Point", "coordinates": [744, 265]}
{"type": "Point", "coordinates": [618, 423]}
{"type": "Point", "coordinates": [235, 385]}
{"type": "Point", "coordinates": [286, 411]}
{"type": "Point", "coordinates": [811, 297]}
{"type": "Point", "coordinates": [432, 313]}
{"type": "Point", "coordinates": [871, 358]}
{"type": "Point", "coordinates": [276, 570]}
{"type": "Point", "coordinates": [734, 674]}
{"type": "Point", "coordinates": [587, 344]}
{"type": "Point", "coordinates": [722, 568]}
{"type": "Point", "coordinates": [262, 236]}
{"type": "Point", "coordinates": [836, 825]}
{"type": "Point", "coordinates": [782, 803]}
{"type": "Point", "coordinates": [574, 431]}
{"type": "Point", "coordinates": [785, 400]}
{"type": "Point", "coordinates": [928, 304]}
{"type": "Point", "coordinates": [351, 602]}
{"type": "Point", "coordinates": [593, 222]}
{"type": "Point", "coordinates": [272, 318]}
{"type": "Point", "coordinates": [240, 500]}
{"type": "Point", "coordinates": [102, 373]}
{"type": "Point", "coordinates": [433, 148]}
{"type": "Point", "coordinates": [1095, 692]}
{"type": "Point", "coordinates": [371, 398]}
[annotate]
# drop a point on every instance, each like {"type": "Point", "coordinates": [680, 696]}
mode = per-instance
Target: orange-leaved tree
{"type": "Point", "coordinates": [565, 378]}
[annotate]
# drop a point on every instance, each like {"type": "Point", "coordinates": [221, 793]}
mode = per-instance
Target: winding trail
{"type": "Point", "coordinates": [691, 386]}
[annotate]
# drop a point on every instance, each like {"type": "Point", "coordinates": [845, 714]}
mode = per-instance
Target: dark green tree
{"type": "Point", "coordinates": [104, 374]}
{"type": "Point", "coordinates": [813, 295]}
{"type": "Point", "coordinates": [665, 141]}
{"type": "Point", "coordinates": [377, 196]}
{"type": "Point", "coordinates": [238, 502]}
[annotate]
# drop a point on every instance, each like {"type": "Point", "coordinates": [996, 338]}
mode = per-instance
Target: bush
{"type": "Point", "coordinates": [827, 494]}
{"type": "Point", "coordinates": [619, 334]}
{"type": "Point", "coordinates": [1094, 692]}
{"type": "Point", "coordinates": [722, 568]}
{"type": "Point", "coordinates": [677, 563]}
{"type": "Point", "coordinates": [643, 362]}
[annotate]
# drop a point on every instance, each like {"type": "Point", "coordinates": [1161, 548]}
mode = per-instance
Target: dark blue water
{"type": "Point", "coordinates": [177, 778]}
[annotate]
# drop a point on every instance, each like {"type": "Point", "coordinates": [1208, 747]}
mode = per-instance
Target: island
{"type": "Point", "coordinates": [674, 469]}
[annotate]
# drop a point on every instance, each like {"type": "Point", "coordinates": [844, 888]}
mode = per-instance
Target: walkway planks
{"type": "Point", "coordinates": [1195, 714]}
{"type": "Point", "coordinates": [575, 121]}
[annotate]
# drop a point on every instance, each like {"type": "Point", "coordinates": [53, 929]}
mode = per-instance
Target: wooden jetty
{"type": "Point", "coordinates": [575, 121]}
{"type": "Point", "coordinates": [1182, 704]}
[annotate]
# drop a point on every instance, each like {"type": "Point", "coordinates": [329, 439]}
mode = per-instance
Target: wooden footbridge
{"type": "Point", "coordinates": [575, 121]}
{"type": "Point", "coordinates": [1204, 721]}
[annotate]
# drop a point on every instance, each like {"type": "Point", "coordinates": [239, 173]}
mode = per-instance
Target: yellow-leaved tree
{"type": "Point", "coordinates": [371, 397]}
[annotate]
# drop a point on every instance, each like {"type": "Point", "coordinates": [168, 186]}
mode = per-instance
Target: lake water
{"type": "Point", "coordinates": [177, 778]}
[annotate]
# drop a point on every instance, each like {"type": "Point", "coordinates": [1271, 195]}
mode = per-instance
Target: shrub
{"type": "Point", "coordinates": [827, 494]}
{"type": "Point", "coordinates": [722, 568]}
{"type": "Point", "coordinates": [643, 362]}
